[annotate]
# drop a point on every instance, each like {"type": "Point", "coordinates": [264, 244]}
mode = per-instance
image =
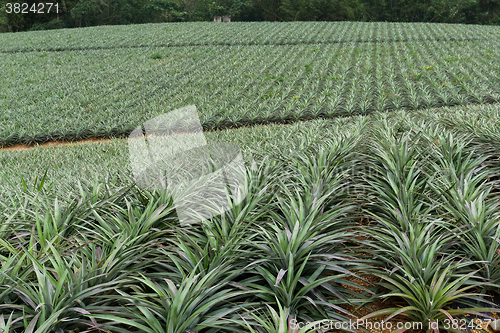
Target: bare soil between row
{"type": "Point", "coordinates": [53, 144]}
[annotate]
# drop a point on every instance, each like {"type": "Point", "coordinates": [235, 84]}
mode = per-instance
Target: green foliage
{"type": "Point", "coordinates": [163, 11]}
{"type": "Point", "coordinates": [320, 10]}
{"type": "Point", "coordinates": [430, 220]}
{"type": "Point", "coordinates": [156, 56]}
{"type": "Point", "coordinates": [112, 256]}
{"type": "Point", "coordinates": [82, 13]}
{"type": "Point", "coordinates": [83, 256]}
{"type": "Point", "coordinates": [229, 7]}
{"type": "Point", "coordinates": [336, 68]}
{"type": "Point", "coordinates": [96, 274]}
{"type": "Point", "coordinates": [4, 19]}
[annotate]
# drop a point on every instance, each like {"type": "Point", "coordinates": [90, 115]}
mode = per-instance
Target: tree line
{"type": "Point", "coordinates": [83, 13]}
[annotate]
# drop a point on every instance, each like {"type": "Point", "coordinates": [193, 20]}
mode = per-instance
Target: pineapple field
{"type": "Point", "coordinates": [103, 83]}
{"type": "Point", "coordinates": [371, 179]}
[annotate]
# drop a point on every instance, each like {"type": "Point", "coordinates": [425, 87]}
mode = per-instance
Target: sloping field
{"type": "Point", "coordinates": [340, 215]}
{"type": "Point", "coordinates": [384, 217]}
{"type": "Point", "coordinates": [103, 82]}
{"type": "Point", "coordinates": [240, 33]}
{"type": "Point", "coordinates": [96, 161]}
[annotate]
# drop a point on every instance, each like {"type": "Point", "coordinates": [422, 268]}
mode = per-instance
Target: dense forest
{"type": "Point", "coordinates": [82, 13]}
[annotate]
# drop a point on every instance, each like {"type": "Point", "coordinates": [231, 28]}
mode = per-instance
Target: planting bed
{"type": "Point", "coordinates": [77, 92]}
{"type": "Point", "coordinates": [388, 210]}
{"type": "Point", "coordinates": [397, 172]}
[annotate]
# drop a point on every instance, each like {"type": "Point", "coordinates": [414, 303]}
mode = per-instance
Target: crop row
{"type": "Point", "coordinates": [97, 93]}
{"type": "Point", "coordinates": [116, 259]}
{"type": "Point", "coordinates": [239, 33]}
{"type": "Point", "coordinates": [93, 161]}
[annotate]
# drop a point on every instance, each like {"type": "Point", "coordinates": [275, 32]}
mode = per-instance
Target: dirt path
{"type": "Point", "coordinates": [53, 144]}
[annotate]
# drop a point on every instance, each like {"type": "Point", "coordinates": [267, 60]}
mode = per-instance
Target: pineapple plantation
{"type": "Point", "coordinates": [372, 179]}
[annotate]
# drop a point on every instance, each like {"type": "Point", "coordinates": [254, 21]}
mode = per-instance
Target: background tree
{"type": "Point", "coordinates": [81, 13]}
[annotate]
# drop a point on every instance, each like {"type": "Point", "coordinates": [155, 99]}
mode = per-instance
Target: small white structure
{"type": "Point", "coordinates": [226, 18]}
{"type": "Point", "coordinates": [217, 19]}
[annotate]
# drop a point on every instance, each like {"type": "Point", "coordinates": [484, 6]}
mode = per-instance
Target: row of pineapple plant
{"type": "Point", "coordinates": [241, 33]}
{"type": "Point", "coordinates": [434, 225]}
{"type": "Point", "coordinates": [118, 260]}
{"type": "Point", "coordinates": [117, 86]}
{"type": "Point", "coordinates": [115, 258]}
